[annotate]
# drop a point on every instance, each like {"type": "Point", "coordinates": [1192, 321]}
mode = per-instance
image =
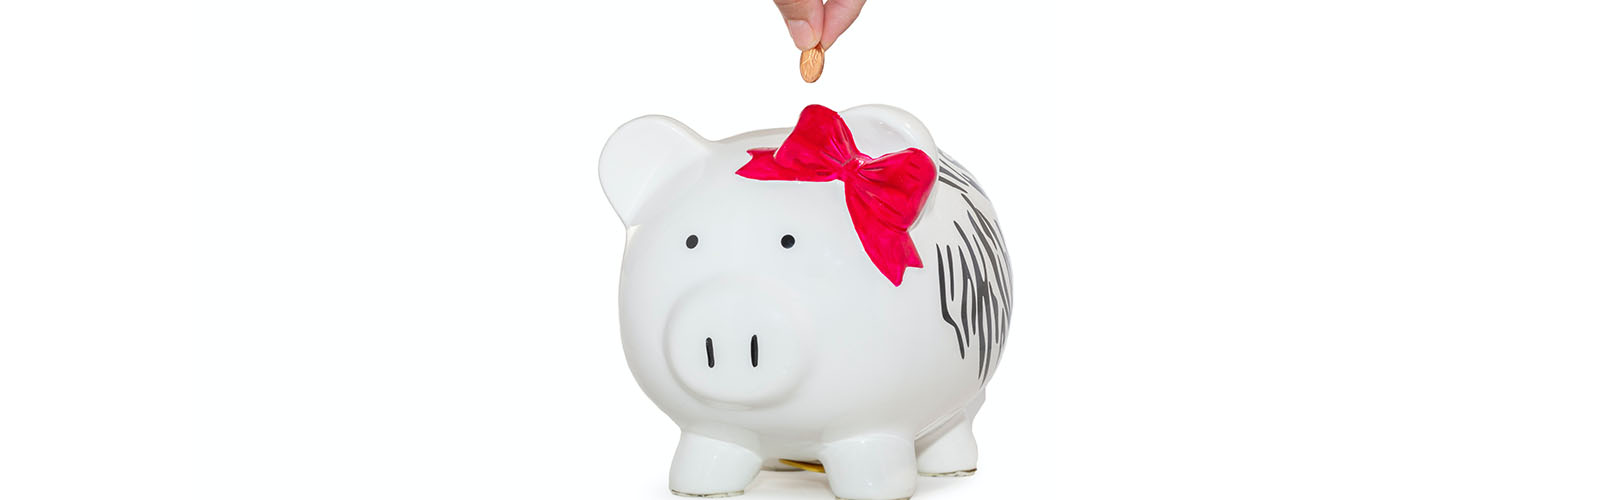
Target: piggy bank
{"type": "Point", "coordinates": [831, 297]}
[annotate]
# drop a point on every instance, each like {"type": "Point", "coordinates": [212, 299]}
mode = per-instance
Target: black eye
{"type": "Point", "coordinates": [787, 241]}
{"type": "Point", "coordinates": [692, 241]}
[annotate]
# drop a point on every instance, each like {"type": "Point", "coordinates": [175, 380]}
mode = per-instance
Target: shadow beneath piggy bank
{"type": "Point", "coordinates": [804, 485]}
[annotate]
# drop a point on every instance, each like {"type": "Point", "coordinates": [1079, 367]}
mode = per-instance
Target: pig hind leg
{"type": "Point", "coordinates": [952, 452]}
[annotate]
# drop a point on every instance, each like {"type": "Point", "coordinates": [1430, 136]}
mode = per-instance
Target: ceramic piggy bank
{"type": "Point", "coordinates": [831, 297]}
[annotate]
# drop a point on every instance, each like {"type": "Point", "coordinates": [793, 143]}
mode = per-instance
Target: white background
{"type": "Point", "coordinates": [345, 249]}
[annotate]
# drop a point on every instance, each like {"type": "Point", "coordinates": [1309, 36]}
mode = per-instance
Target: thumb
{"type": "Point", "coordinates": [804, 18]}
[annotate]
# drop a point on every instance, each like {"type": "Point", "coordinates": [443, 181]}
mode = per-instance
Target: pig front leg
{"type": "Point", "coordinates": [705, 467]}
{"type": "Point", "coordinates": [873, 467]}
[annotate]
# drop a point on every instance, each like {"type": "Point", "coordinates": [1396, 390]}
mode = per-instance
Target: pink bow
{"type": "Point", "coordinates": [884, 194]}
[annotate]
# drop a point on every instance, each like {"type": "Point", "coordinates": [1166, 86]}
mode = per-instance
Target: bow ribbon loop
{"type": "Point", "coordinates": [884, 195]}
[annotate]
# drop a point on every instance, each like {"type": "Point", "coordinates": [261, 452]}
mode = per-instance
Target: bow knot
{"type": "Point", "coordinates": [884, 195]}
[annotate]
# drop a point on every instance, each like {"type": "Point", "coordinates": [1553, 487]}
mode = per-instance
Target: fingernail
{"type": "Point", "coordinates": [800, 31]}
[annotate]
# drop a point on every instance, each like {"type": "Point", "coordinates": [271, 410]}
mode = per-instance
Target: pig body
{"type": "Point", "coordinates": [752, 316]}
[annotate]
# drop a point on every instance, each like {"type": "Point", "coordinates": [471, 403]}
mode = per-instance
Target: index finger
{"type": "Point", "coordinates": [837, 16]}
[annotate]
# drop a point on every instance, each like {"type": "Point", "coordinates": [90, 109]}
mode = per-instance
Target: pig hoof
{"type": "Point", "coordinates": [708, 495]}
{"type": "Point", "coordinates": [957, 473]}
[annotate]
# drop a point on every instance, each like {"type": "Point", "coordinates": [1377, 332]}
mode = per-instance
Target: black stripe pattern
{"type": "Point", "coordinates": [974, 274]}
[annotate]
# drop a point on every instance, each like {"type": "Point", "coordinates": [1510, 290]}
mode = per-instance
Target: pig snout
{"type": "Point", "coordinates": [737, 344]}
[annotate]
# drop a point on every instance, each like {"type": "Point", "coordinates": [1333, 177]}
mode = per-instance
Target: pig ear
{"type": "Point", "coordinates": [880, 130]}
{"type": "Point", "coordinates": [642, 156]}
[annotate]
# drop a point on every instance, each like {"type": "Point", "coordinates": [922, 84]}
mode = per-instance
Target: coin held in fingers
{"type": "Point", "coordinates": [811, 64]}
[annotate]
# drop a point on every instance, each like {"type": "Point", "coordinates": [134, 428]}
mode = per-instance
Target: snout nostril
{"type": "Point", "coordinates": [755, 350]}
{"type": "Point", "coordinates": [711, 357]}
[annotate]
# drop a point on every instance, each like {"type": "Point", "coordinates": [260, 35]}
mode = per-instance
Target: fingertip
{"type": "Point", "coordinates": [804, 19]}
{"type": "Point", "coordinates": [802, 32]}
{"type": "Point", "coordinates": [828, 39]}
{"type": "Point", "coordinates": [804, 35]}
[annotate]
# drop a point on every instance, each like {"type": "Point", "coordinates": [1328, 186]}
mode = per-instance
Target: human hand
{"type": "Point", "coordinates": [813, 23]}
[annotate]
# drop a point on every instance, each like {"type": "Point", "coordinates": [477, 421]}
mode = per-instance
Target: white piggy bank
{"type": "Point", "coordinates": [838, 302]}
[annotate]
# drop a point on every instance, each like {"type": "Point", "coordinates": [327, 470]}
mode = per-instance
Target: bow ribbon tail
{"type": "Point", "coordinates": [890, 248]}
{"type": "Point", "coordinates": [884, 197]}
